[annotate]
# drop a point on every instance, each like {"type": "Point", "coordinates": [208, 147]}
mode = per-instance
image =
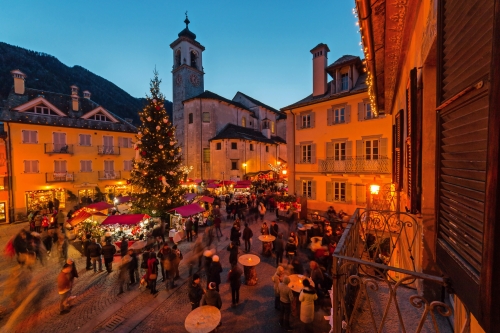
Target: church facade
{"type": "Point", "coordinates": [221, 138]}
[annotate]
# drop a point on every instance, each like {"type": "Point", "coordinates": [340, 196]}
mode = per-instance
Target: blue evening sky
{"type": "Point", "coordinates": [258, 47]}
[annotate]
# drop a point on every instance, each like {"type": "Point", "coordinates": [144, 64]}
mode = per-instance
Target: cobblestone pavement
{"type": "Point", "coordinates": [99, 308]}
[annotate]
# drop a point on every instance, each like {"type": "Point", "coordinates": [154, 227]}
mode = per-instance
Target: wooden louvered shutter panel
{"type": "Point", "coordinates": [298, 156]}
{"type": "Point", "coordinates": [329, 116]}
{"type": "Point", "coordinates": [411, 111]}
{"type": "Point", "coordinates": [465, 57]}
{"type": "Point", "coordinates": [361, 111]}
{"type": "Point", "coordinates": [329, 191]}
{"type": "Point", "coordinates": [398, 149]}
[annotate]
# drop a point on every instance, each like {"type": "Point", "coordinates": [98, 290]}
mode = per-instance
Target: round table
{"type": "Point", "coordinates": [203, 319]}
{"type": "Point", "coordinates": [296, 284]}
{"type": "Point", "coordinates": [249, 261]}
{"type": "Point", "coordinates": [267, 246]}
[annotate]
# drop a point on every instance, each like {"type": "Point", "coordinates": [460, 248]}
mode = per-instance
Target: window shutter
{"type": "Point", "coordinates": [82, 166]}
{"type": "Point", "coordinates": [34, 136]}
{"type": "Point", "coordinates": [27, 166]}
{"type": "Point", "coordinates": [313, 153]}
{"type": "Point", "coordinates": [120, 142]}
{"type": "Point", "coordinates": [298, 119]}
{"type": "Point", "coordinates": [411, 110]}
{"type": "Point", "coordinates": [34, 167]}
{"type": "Point", "coordinates": [87, 140]}
{"type": "Point", "coordinates": [359, 149]}
{"type": "Point", "coordinates": [361, 111]}
{"type": "Point", "coordinates": [329, 116]}
{"type": "Point", "coordinates": [26, 136]}
{"type": "Point", "coordinates": [298, 157]}
{"type": "Point", "coordinates": [312, 117]}
{"type": "Point", "coordinates": [348, 149]}
{"type": "Point", "coordinates": [398, 149]}
{"type": "Point", "coordinates": [329, 191]}
{"type": "Point", "coordinates": [298, 188]}
{"type": "Point", "coordinates": [347, 113]}
{"type": "Point", "coordinates": [383, 147]}
{"type": "Point", "coordinates": [348, 193]}
{"type": "Point", "coordinates": [313, 190]}
{"type": "Point", "coordinates": [329, 150]}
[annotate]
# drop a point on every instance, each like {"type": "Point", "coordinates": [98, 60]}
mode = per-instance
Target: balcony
{"type": "Point", "coordinates": [108, 150]}
{"type": "Point", "coordinates": [58, 148]}
{"type": "Point", "coordinates": [373, 293]}
{"type": "Point", "coordinates": [59, 177]}
{"type": "Point", "coordinates": [108, 175]}
{"type": "Point", "coordinates": [356, 165]}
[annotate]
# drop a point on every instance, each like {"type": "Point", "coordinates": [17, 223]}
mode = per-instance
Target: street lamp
{"type": "Point", "coordinates": [245, 166]}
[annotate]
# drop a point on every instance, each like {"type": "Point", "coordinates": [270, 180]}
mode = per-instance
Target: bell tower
{"type": "Point", "coordinates": [187, 76]}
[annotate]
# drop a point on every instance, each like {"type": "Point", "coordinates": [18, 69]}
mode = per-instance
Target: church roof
{"type": "Point", "coordinates": [231, 131]}
{"type": "Point", "coordinates": [187, 33]}
{"type": "Point", "coordinates": [257, 102]}
{"type": "Point", "coordinates": [210, 95]}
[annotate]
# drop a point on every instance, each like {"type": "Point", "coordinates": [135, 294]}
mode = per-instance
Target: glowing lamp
{"type": "Point", "coordinates": [374, 189]}
{"type": "Point", "coordinates": [244, 165]}
{"type": "Point", "coordinates": [284, 172]}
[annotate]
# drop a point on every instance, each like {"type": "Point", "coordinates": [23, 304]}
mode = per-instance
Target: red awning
{"type": "Point", "coordinates": [99, 206]}
{"type": "Point", "coordinates": [189, 196]}
{"type": "Point", "coordinates": [213, 185]}
{"type": "Point", "coordinates": [241, 186]}
{"type": "Point", "coordinates": [197, 181]}
{"type": "Point", "coordinates": [211, 181]}
{"type": "Point", "coordinates": [188, 210]}
{"type": "Point", "coordinates": [120, 200]}
{"type": "Point", "coordinates": [128, 219]}
{"type": "Point", "coordinates": [244, 182]}
{"type": "Point", "coordinates": [227, 182]}
{"type": "Point", "coordinates": [206, 199]}
{"type": "Point", "coordinates": [82, 216]}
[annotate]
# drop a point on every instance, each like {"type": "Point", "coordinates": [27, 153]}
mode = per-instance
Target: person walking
{"type": "Point", "coordinates": [133, 267]}
{"type": "Point", "coordinates": [234, 279]}
{"type": "Point", "coordinates": [264, 230]}
{"type": "Point", "coordinates": [196, 292]}
{"type": "Point", "coordinates": [279, 247]}
{"type": "Point", "coordinates": [217, 223]}
{"type": "Point", "coordinates": [152, 273]}
{"type": "Point", "coordinates": [64, 285]}
{"type": "Point", "coordinates": [168, 263]}
{"type": "Point", "coordinates": [123, 273]}
{"type": "Point", "coordinates": [177, 261]}
{"type": "Point", "coordinates": [108, 252]}
{"type": "Point", "coordinates": [290, 249]}
{"type": "Point", "coordinates": [38, 222]}
{"type": "Point", "coordinates": [213, 274]}
{"type": "Point", "coordinates": [247, 237]}
{"type": "Point", "coordinates": [124, 247]}
{"type": "Point", "coordinates": [306, 298]}
{"type": "Point", "coordinates": [61, 218]}
{"type": "Point", "coordinates": [162, 255]}
{"type": "Point", "coordinates": [94, 250]}
{"type": "Point", "coordinates": [86, 243]}
{"type": "Point", "coordinates": [233, 253]}
{"type": "Point", "coordinates": [277, 278]}
{"type": "Point", "coordinates": [286, 299]}
{"type": "Point", "coordinates": [262, 211]}
{"type": "Point", "coordinates": [189, 229]}
{"type": "Point", "coordinates": [212, 297]}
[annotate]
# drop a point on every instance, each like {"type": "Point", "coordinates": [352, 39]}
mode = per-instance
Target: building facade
{"type": "Point", "coordinates": [62, 146]}
{"type": "Point", "coordinates": [337, 146]}
{"type": "Point", "coordinates": [221, 138]}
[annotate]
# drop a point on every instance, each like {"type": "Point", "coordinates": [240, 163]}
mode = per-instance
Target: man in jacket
{"type": "Point", "coordinates": [133, 266]}
{"type": "Point", "coordinates": [247, 236]}
{"type": "Point", "coordinates": [213, 274]}
{"type": "Point", "coordinates": [189, 229]}
{"type": "Point", "coordinates": [94, 252]}
{"type": "Point", "coordinates": [61, 218]}
{"type": "Point", "coordinates": [273, 230]}
{"type": "Point", "coordinates": [279, 247]}
{"type": "Point", "coordinates": [108, 251]}
{"type": "Point", "coordinates": [234, 279]}
{"type": "Point", "coordinates": [286, 299]}
{"type": "Point", "coordinates": [86, 243]}
{"type": "Point", "coordinates": [64, 285]}
{"type": "Point", "coordinates": [212, 297]}
{"type": "Point", "coordinates": [161, 255]}
{"type": "Point", "coordinates": [196, 292]}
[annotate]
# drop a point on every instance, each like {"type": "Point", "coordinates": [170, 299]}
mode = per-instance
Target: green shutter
{"type": "Point", "coordinates": [359, 149]}
{"type": "Point", "coordinates": [329, 191]}
{"type": "Point", "coordinates": [298, 119]}
{"type": "Point", "coordinates": [298, 188]}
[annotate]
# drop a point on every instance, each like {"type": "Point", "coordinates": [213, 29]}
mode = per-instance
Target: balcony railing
{"type": "Point", "coordinates": [380, 296]}
{"type": "Point", "coordinates": [59, 177]}
{"type": "Point", "coordinates": [108, 150]}
{"type": "Point", "coordinates": [102, 175]}
{"type": "Point", "coordinates": [356, 165]}
{"type": "Point", "coordinates": [58, 148]}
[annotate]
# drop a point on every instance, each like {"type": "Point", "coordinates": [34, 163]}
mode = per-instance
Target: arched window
{"type": "Point", "coordinates": [190, 118]}
{"type": "Point", "coordinates": [194, 59]}
{"type": "Point", "coordinates": [177, 58]}
{"type": "Point", "coordinates": [244, 122]}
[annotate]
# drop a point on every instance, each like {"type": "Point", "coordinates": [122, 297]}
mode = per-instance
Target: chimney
{"type": "Point", "coordinates": [320, 59]}
{"type": "Point", "coordinates": [74, 98]}
{"type": "Point", "coordinates": [86, 94]}
{"type": "Point", "coordinates": [18, 81]}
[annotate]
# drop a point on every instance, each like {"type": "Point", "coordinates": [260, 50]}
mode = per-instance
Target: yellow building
{"type": "Point", "coordinates": [337, 146]}
{"type": "Point", "coordinates": [59, 145]}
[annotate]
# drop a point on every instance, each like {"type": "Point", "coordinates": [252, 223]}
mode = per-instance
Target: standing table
{"type": "Point", "coordinates": [249, 261]}
{"type": "Point", "coordinates": [296, 284]}
{"type": "Point", "coordinates": [267, 246]}
{"type": "Point", "coordinates": [203, 319]}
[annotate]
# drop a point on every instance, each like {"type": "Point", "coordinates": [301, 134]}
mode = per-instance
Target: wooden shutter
{"type": "Point", "coordinates": [313, 190]}
{"type": "Point", "coordinates": [398, 150]}
{"type": "Point", "coordinates": [298, 156]}
{"type": "Point", "coordinates": [347, 113]}
{"type": "Point", "coordinates": [348, 149]}
{"type": "Point", "coordinates": [312, 119]}
{"type": "Point", "coordinates": [109, 166]}
{"type": "Point", "coordinates": [60, 166]}
{"type": "Point", "coordinates": [383, 147]}
{"type": "Point", "coordinates": [411, 151]}
{"type": "Point", "coordinates": [361, 111]}
{"type": "Point", "coordinates": [298, 120]}
{"type": "Point", "coordinates": [329, 116]}
{"type": "Point", "coordinates": [329, 191]}
{"type": "Point", "coordinates": [359, 149]}
{"type": "Point", "coordinates": [26, 136]}
{"type": "Point", "coordinates": [330, 149]}
{"type": "Point", "coordinates": [348, 193]}
{"type": "Point", "coordinates": [27, 166]}
{"type": "Point", "coordinates": [313, 153]}
{"type": "Point", "coordinates": [298, 188]}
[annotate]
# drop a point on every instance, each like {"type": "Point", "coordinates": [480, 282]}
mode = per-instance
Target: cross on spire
{"type": "Point", "coordinates": [187, 20]}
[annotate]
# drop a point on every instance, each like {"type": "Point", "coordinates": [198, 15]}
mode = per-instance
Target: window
{"type": "Point", "coordinates": [251, 147]}
{"type": "Point", "coordinates": [84, 140]}
{"type": "Point", "coordinates": [206, 117]}
{"type": "Point", "coordinates": [345, 81]}
{"type": "Point", "coordinates": [177, 58]}
{"type": "Point", "coordinates": [127, 165]}
{"type": "Point", "coordinates": [194, 58]}
{"type": "Point", "coordinates": [339, 116]}
{"type": "Point", "coordinates": [371, 149]}
{"type": "Point", "coordinates": [60, 166]}
{"type": "Point", "coordinates": [125, 142]}
{"type": "Point", "coordinates": [306, 121]}
{"type": "Point", "coordinates": [85, 166]}
{"type": "Point", "coordinates": [206, 155]}
{"type": "Point", "coordinates": [107, 142]}
{"type": "Point", "coordinates": [234, 145]}
{"type": "Point", "coordinates": [44, 110]}
{"type": "Point", "coordinates": [244, 122]}
{"type": "Point", "coordinates": [368, 111]}
{"type": "Point", "coordinates": [267, 149]}
{"type": "Point", "coordinates": [273, 126]}
{"type": "Point", "coordinates": [307, 188]}
{"type": "Point", "coordinates": [30, 136]}
{"type": "Point", "coordinates": [100, 117]}
{"type": "Point", "coordinates": [218, 146]}
{"type": "Point", "coordinates": [190, 118]}
{"type": "Point", "coordinates": [339, 151]}
{"type": "Point", "coordinates": [265, 124]}
{"type": "Point", "coordinates": [306, 153]}
{"type": "Point", "coordinates": [339, 191]}
{"type": "Point", "coordinates": [109, 166]}
{"type": "Point", "coordinates": [234, 165]}
{"type": "Point", "coordinates": [59, 141]}
{"type": "Point", "coordinates": [31, 166]}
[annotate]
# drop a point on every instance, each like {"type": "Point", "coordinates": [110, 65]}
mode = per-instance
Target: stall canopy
{"type": "Point", "coordinates": [189, 196]}
{"type": "Point", "coordinates": [210, 181]}
{"type": "Point", "coordinates": [241, 186]}
{"type": "Point", "coordinates": [83, 215]}
{"type": "Point", "coordinates": [188, 210]}
{"type": "Point", "coordinates": [198, 181]}
{"type": "Point", "coordinates": [128, 219]}
{"type": "Point", "coordinates": [206, 199]}
{"type": "Point", "coordinates": [213, 185]}
{"type": "Point", "coordinates": [121, 200]}
{"type": "Point", "coordinates": [244, 182]}
{"type": "Point", "coordinates": [97, 206]}
{"type": "Point", "coordinates": [227, 182]}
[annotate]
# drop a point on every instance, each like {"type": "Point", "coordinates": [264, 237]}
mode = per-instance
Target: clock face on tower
{"type": "Point", "coordinates": [194, 79]}
{"type": "Point", "coordinates": [178, 79]}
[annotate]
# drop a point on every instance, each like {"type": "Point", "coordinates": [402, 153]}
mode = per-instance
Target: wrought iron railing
{"type": "Point", "coordinates": [59, 177]}
{"type": "Point", "coordinates": [102, 175]}
{"type": "Point", "coordinates": [356, 164]}
{"type": "Point", "coordinates": [108, 150]}
{"type": "Point", "coordinates": [58, 148]}
{"type": "Point", "coordinates": [380, 296]}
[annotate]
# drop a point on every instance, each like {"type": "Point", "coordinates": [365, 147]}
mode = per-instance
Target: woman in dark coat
{"type": "Point", "coordinates": [152, 272]}
{"type": "Point", "coordinates": [214, 272]}
{"type": "Point", "coordinates": [235, 235]}
{"type": "Point", "coordinates": [233, 253]}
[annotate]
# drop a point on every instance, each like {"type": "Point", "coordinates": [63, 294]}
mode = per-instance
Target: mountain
{"type": "Point", "coordinates": [46, 72]}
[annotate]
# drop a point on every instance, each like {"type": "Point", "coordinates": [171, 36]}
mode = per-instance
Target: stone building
{"type": "Point", "coordinates": [219, 137]}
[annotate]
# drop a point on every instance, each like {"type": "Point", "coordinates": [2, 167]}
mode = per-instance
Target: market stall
{"type": "Point", "coordinates": [132, 226]}
{"type": "Point", "coordinates": [178, 218]}
{"type": "Point", "coordinates": [286, 205]}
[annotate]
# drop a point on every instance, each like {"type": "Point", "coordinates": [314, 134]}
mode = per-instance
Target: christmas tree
{"type": "Point", "coordinates": [157, 175]}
